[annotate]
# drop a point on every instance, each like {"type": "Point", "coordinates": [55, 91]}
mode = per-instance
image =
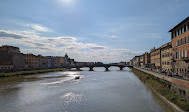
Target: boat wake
{"type": "Point", "coordinates": [68, 76]}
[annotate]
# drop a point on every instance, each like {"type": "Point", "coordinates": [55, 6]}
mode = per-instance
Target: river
{"type": "Point", "coordinates": [95, 91]}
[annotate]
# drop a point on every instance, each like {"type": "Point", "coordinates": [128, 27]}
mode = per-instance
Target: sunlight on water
{"type": "Point", "coordinates": [68, 76]}
{"type": "Point", "coordinates": [94, 91]}
{"type": "Point", "coordinates": [70, 98]}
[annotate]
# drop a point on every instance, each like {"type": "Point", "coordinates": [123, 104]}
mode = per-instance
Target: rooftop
{"type": "Point", "coordinates": [179, 24]}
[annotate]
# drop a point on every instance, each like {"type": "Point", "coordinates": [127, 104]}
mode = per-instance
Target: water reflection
{"type": "Point", "coordinates": [95, 91]}
{"type": "Point", "coordinates": [63, 77]}
{"type": "Point", "coordinates": [71, 97]}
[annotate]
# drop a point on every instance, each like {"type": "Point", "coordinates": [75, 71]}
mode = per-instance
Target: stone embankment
{"type": "Point", "coordinates": [175, 91]}
{"type": "Point", "coordinates": [178, 83]}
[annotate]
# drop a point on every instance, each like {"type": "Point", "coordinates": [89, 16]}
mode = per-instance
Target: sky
{"type": "Point", "coordinates": [89, 30]}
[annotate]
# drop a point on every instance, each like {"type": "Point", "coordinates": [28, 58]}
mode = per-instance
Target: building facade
{"type": "Point", "coordinates": [11, 59]}
{"type": "Point", "coordinates": [57, 61]}
{"type": "Point", "coordinates": [10, 49]}
{"type": "Point", "coordinates": [122, 63]}
{"type": "Point", "coordinates": [66, 60]}
{"type": "Point", "coordinates": [136, 61]}
{"type": "Point", "coordinates": [31, 61]}
{"type": "Point", "coordinates": [44, 63]}
{"type": "Point", "coordinates": [180, 44]}
{"type": "Point", "coordinates": [39, 62]}
{"type": "Point", "coordinates": [142, 61]}
{"type": "Point", "coordinates": [166, 56]}
{"type": "Point", "coordinates": [147, 60]}
{"type": "Point", "coordinates": [49, 61]}
{"type": "Point", "coordinates": [131, 62]}
{"type": "Point", "coordinates": [6, 62]}
{"type": "Point", "coordinates": [155, 55]}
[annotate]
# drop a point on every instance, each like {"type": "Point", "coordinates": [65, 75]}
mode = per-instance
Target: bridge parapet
{"type": "Point", "coordinates": [106, 66]}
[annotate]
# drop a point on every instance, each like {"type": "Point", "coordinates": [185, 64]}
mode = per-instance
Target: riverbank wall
{"type": "Point", "coordinates": [30, 72]}
{"type": "Point", "coordinates": [174, 90]}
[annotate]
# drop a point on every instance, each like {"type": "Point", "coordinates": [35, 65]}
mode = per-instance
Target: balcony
{"type": "Point", "coordinates": [186, 59]}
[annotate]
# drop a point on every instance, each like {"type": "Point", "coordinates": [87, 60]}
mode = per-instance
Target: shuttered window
{"type": "Point", "coordinates": [186, 53]}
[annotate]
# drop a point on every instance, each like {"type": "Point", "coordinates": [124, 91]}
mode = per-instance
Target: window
{"type": "Point", "coordinates": [182, 29]}
{"type": "Point", "coordinates": [176, 55]}
{"type": "Point", "coordinates": [176, 49]}
{"type": "Point", "coordinates": [179, 54]}
{"type": "Point", "coordinates": [184, 40]}
{"type": "Point", "coordinates": [180, 42]}
{"type": "Point", "coordinates": [177, 32]}
{"type": "Point", "coordinates": [182, 55]}
{"type": "Point", "coordinates": [172, 35]}
{"type": "Point", "coordinates": [186, 53]}
{"type": "Point", "coordinates": [186, 28]}
{"type": "Point", "coordinates": [176, 44]}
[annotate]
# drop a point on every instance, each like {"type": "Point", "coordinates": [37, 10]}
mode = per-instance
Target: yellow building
{"type": "Point", "coordinates": [155, 55]}
{"type": "Point", "coordinates": [166, 56]}
{"type": "Point", "coordinates": [147, 59]}
{"type": "Point", "coordinates": [31, 61]}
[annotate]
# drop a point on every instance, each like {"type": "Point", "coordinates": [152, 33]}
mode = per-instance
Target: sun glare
{"type": "Point", "coordinates": [67, 1]}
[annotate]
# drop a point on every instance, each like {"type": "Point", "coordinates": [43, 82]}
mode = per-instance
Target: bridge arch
{"type": "Point", "coordinates": [91, 67]}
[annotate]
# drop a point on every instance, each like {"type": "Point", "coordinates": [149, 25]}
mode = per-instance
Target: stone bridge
{"type": "Point", "coordinates": [106, 66]}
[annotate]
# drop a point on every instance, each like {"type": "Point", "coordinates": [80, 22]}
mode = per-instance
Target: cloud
{"type": "Point", "coordinates": [38, 27]}
{"type": "Point", "coordinates": [97, 47]}
{"type": "Point", "coordinates": [36, 43]}
{"type": "Point", "coordinates": [110, 36]}
{"type": "Point", "coordinates": [8, 34]}
{"type": "Point", "coordinates": [31, 42]}
{"type": "Point", "coordinates": [61, 40]}
{"type": "Point", "coordinates": [68, 38]}
{"type": "Point", "coordinates": [114, 36]}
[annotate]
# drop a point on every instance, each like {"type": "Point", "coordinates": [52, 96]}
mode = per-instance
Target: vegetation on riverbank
{"type": "Point", "coordinates": [163, 88]}
{"type": "Point", "coordinates": [30, 72]}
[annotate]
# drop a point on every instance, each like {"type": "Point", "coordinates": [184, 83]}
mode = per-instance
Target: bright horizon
{"type": "Point", "coordinates": [100, 30]}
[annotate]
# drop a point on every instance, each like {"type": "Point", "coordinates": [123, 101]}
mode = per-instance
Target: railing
{"type": "Point", "coordinates": [173, 60]}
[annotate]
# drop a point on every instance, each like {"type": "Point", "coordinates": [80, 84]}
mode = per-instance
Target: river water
{"type": "Point", "coordinates": [96, 91]}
